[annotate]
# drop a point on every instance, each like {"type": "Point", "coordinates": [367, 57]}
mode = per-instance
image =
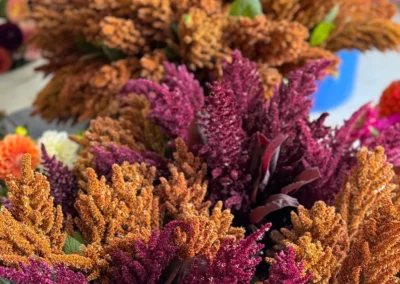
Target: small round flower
{"type": "Point", "coordinates": [17, 10]}
{"type": "Point", "coordinates": [6, 61]}
{"type": "Point", "coordinates": [12, 148]}
{"type": "Point", "coordinates": [10, 36]}
{"type": "Point", "coordinates": [58, 144]}
{"type": "Point", "coordinates": [390, 100]}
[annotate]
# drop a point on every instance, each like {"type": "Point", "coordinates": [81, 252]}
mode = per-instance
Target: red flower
{"type": "Point", "coordinates": [5, 60]}
{"type": "Point", "coordinates": [390, 100]}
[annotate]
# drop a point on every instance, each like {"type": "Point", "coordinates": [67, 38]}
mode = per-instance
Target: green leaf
{"type": "Point", "coordinates": [4, 281]}
{"type": "Point", "coordinates": [86, 47]}
{"type": "Point", "coordinates": [246, 8]}
{"type": "Point", "coordinates": [321, 33]}
{"type": "Point", "coordinates": [374, 131]}
{"type": "Point", "coordinates": [113, 54]}
{"type": "Point", "coordinates": [77, 236]}
{"type": "Point", "coordinates": [72, 245]}
{"type": "Point", "coordinates": [3, 4]}
{"type": "Point", "coordinates": [332, 14]}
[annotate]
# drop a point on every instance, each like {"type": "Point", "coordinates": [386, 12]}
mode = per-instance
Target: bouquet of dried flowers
{"type": "Point", "coordinates": [16, 32]}
{"type": "Point", "coordinates": [224, 188]}
{"type": "Point", "coordinates": [94, 47]}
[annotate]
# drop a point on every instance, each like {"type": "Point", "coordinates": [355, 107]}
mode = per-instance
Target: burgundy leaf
{"type": "Point", "coordinates": [306, 177]}
{"type": "Point", "coordinates": [274, 203]}
{"type": "Point", "coordinates": [270, 158]}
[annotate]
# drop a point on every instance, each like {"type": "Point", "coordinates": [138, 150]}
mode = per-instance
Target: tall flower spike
{"type": "Point", "coordinates": [40, 272]}
{"type": "Point", "coordinates": [317, 235]}
{"type": "Point", "coordinates": [149, 260]}
{"type": "Point", "coordinates": [374, 255]}
{"type": "Point", "coordinates": [234, 262]}
{"type": "Point", "coordinates": [369, 182]}
{"type": "Point", "coordinates": [63, 185]}
{"type": "Point", "coordinates": [33, 228]}
{"type": "Point", "coordinates": [241, 76]}
{"type": "Point", "coordinates": [33, 206]}
{"type": "Point", "coordinates": [285, 270]}
{"type": "Point", "coordinates": [208, 232]}
{"type": "Point", "coordinates": [221, 123]}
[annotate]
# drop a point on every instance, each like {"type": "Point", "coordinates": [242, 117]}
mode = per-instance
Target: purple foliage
{"type": "Point", "coordinates": [285, 269]}
{"type": "Point", "coordinates": [149, 260]}
{"type": "Point", "coordinates": [233, 264]}
{"type": "Point", "coordinates": [221, 124]}
{"type": "Point", "coordinates": [178, 77]}
{"type": "Point", "coordinates": [40, 272]}
{"type": "Point", "coordinates": [105, 158]}
{"type": "Point", "coordinates": [63, 184]}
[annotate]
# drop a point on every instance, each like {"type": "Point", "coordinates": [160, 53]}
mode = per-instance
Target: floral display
{"type": "Point", "coordinates": [206, 183]}
{"type": "Point", "coordinates": [16, 34]}
{"type": "Point", "coordinates": [103, 44]}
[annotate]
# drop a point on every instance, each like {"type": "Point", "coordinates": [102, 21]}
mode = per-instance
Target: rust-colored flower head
{"type": "Point", "coordinates": [123, 35]}
{"type": "Point", "coordinates": [368, 183]}
{"type": "Point", "coordinates": [202, 39]}
{"type": "Point", "coordinates": [271, 42]}
{"type": "Point", "coordinates": [12, 149]}
{"type": "Point", "coordinates": [320, 240]}
{"type": "Point", "coordinates": [153, 18]}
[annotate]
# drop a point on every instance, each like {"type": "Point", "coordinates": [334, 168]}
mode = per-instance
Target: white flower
{"type": "Point", "coordinates": [58, 144]}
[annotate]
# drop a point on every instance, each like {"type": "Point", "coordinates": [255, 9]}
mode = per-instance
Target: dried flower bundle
{"type": "Point", "coordinates": [103, 44]}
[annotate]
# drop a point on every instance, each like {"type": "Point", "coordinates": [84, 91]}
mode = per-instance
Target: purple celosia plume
{"type": "Point", "coordinates": [178, 77]}
{"type": "Point", "coordinates": [241, 76]}
{"type": "Point", "coordinates": [233, 264]}
{"type": "Point", "coordinates": [285, 269]}
{"type": "Point", "coordinates": [221, 124]}
{"type": "Point", "coordinates": [150, 259]}
{"type": "Point", "coordinates": [105, 158]}
{"type": "Point", "coordinates": [174, 103]}
{"type": "Point", "coordinates": [41, 273]}
{"type": "Point", "coordinates": [63, 184]}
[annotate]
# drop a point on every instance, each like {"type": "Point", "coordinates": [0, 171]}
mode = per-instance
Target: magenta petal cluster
{"type": "Point", "coordinates": [105, 158]}
{"type": "Point", "coordinates": [285, 269]}
{"type": "Point", "coordinates": [62, 181]}
{"type": "Point", "coordinates": [41, 273]}
{"type": "Point", "coordinates": [233, 264]}
{"type": "Point", "coordinates": [150, 259]}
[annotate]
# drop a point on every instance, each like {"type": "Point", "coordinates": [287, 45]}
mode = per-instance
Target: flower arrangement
{"type": "Point", "coordinates": [224, 188]}
{"type": "Point", "coordinates": [102, 44]}
{"type": "Point", "coordinates": [16, 33]}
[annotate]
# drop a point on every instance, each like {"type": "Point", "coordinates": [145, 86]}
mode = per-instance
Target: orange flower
{"type": "Point", "coordinates": [12, 148]}
{"type": "Point", "coordinates": [390, 100]}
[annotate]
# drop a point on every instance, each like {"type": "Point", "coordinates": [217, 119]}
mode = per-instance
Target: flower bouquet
{"type": "Point", "coordinates": [101, 44]}
{"type": "Point", "coordinates": [225, 188]}
{"type": "Point", "coordinates": [16, 32]}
